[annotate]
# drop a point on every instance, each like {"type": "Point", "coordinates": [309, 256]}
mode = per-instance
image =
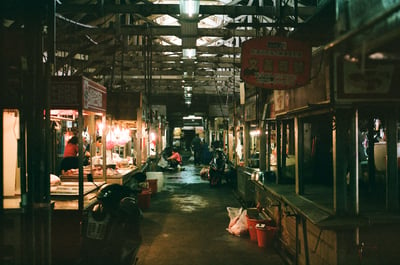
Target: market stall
{"type": "Point", "coordinates": [77, 109]}
{"type": "Point", "coordinates": [127, 133]}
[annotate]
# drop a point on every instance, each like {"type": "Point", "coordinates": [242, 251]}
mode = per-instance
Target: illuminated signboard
{"type": "Point", "coordinates": [275, 62]}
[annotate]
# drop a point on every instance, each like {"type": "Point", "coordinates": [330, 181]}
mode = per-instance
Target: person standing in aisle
{"type": "Point", "coordinates": [196, 145]}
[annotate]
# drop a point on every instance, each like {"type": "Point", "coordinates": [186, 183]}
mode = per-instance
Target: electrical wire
{"type": "Point", "coordinates": [74, 22]}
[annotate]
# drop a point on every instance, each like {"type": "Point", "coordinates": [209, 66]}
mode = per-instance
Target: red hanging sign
{"type": "Point", "coordinates": [275, 62]}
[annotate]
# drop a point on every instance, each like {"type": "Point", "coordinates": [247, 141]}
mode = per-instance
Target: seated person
{"type": "Point", "coordinates": [175, 159]}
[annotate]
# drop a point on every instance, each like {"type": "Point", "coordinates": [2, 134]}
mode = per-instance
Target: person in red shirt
{"type": "Point", "coordinates": [70, 159]}
{"type": "Point", "coordinates": [175, 159]}
{"type": "Point", "coordinates": [71, 149]}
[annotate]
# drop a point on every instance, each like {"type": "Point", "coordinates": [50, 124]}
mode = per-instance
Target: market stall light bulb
{"type": "Point", "coordinates": [255, 133]}
{"type": "Point", "coordinates": [100, 127]}
{"type": "Point", "coordinates": [152, 136]}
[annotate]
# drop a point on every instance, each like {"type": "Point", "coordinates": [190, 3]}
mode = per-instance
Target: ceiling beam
{"type": "Point", "coordinates": [159, 30]}
{"type": "Point", "coordinates": [173, 9]}
{"type": "Point", "coordinates": [176, 31]}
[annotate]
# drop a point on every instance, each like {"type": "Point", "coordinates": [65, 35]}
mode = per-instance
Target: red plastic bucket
{"type": "Point", "coordinates": [253, 218]}
{"type": "Point", "coordinates": [251, 226]}
{"type": "Point", "coordinates": [265, 235]}
{"type": "Point", "coordinates": [144, 199]}
{"type": "Point", "coordinates": [153, 185]}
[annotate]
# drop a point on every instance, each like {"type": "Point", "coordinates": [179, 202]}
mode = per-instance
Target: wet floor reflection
{"type": "Point", "coordinates": [184, 200]}
{"type": "Point", "coordinates": [189, 203]}
{"type": "Point", "coordinates": [187, 221]}
{"type": "Point", "coordinates": [190, 175]}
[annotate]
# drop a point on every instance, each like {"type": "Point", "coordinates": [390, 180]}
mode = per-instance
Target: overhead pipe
{"type": "Point", "coordinates": [362, 28]}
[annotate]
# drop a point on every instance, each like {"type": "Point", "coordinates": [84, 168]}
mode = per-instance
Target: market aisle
{"type": "Point", "coordinates": [186, 224]}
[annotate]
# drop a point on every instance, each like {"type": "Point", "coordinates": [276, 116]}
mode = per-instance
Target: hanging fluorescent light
{"type": "Point", "coordinates": [188, 53]}
{"type": "Point", "coordinates": [189, 12]}
{"type": "Point", "coordinates": [188, 75]}
{"type": "Point", "coordinates": [187, 94]}
{"type": "Point", "coordinates": [189, 9]}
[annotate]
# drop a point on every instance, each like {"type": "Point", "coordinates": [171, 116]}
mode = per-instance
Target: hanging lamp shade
{"type": "Point", "coordinates": [189, 9]}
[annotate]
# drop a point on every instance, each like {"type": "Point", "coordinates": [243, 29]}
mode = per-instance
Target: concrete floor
{"type": "Point", "coordinates": [186, 224]}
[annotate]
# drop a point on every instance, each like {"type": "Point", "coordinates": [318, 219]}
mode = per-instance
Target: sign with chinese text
{"type": "Point", "coordinates": [275, 62]}
{"type": "Point", "coordinates": [375, 81]}
{"type": "Point", "coordinates": [281, 100]}
{"type": "Point", "coordinates": [94, 96]}
{"type": "Point", "coordinates": [70, 92]}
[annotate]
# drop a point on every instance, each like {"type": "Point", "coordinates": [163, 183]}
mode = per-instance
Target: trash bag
{"type": "Point", "coordinates": [162, 163]}
{"type": "Point", "coordinates": [238, 221]}
{"type": "Point", "coordinates": [233, 214]}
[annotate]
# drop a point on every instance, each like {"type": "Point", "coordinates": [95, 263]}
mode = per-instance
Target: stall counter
{"type": "Point", "coordinates": [65, 194]}
{"type": "Point", "coordinates": [119, 176]}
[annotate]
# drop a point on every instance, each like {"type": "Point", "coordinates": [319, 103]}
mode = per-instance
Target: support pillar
{"type": "Point", "coordinates": [392, 179]}
{"type": "Point", "coordinates": [341, 142]}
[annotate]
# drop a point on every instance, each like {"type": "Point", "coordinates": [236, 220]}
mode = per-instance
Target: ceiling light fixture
{"type": "Point", "coordinates": [188, 53]}
{"type": "Point", "coordinates": [189, 9]}
{"type": "Point", "coordinates": [187, 94]}
{"type": "Point", "coordinates": [378, 56]}
{"type": "Point", "coordinates": [189, 13]}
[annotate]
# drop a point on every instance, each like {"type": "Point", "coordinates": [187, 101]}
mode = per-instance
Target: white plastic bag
{"type": "Point", "coordinates": [162, 163]}
{"type": "Point", "coordinates": [54, 180]}
{"type": "Point", "coordinates": [234, 214]}
{"type": "Point", "coordinates": [238, 221]}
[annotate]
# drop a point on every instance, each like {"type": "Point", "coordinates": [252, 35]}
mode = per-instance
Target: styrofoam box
{"type": "Point", "coordinates": [156, 175]}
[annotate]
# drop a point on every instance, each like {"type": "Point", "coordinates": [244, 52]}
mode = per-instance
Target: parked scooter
{"type": "Point", "coordinates": [217, 167]}
{"type": "Point", "coordinates": [111, 226]}
{"type": "Point", "coordinates": [221, 169]}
